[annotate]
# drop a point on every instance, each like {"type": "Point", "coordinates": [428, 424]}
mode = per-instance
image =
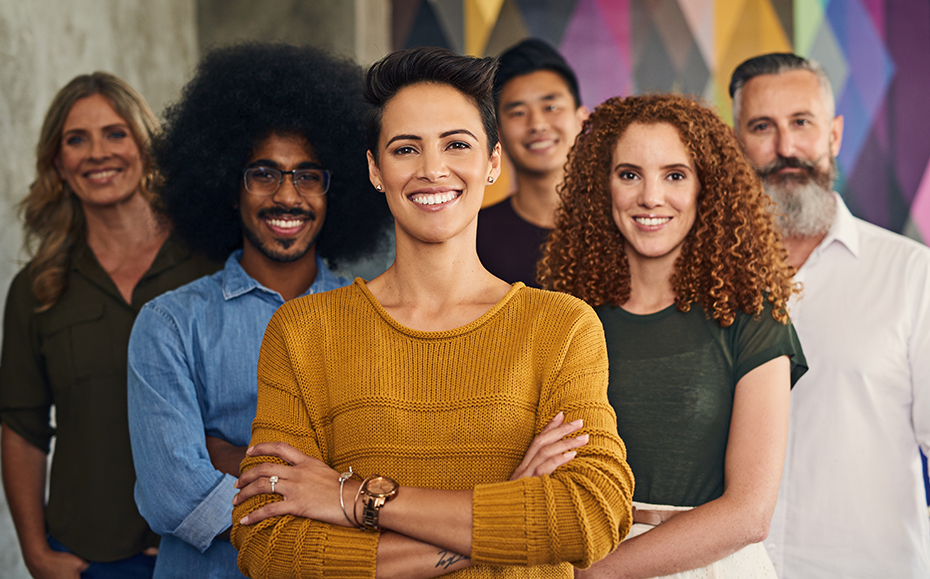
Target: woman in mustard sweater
{"type": "Point", "coordinates": [431, 381]}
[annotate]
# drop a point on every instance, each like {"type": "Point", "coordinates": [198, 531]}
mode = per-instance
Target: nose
{"type": "Point", "coordinates": [432, 166]}
{"type": "Point", "coordinates": [537, 121]}
{"type": "Point", "coordinates": [287, 194]}
{"type": "Point", "coordinates": [785, 144]}
{"type": "Point", "coordinates": [98, 148]}
{"type": "Point", "coordinates": [651, 194]}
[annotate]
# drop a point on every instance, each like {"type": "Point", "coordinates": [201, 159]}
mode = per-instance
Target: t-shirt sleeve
{"type": "Point", "coordinates": [583, 511]}
{"type": "Point", "coordinates": [25, 393]}
{"type": "Point", "coordinates": [289, 546]}
{"type": "Point", "coordinates": [756, 340]}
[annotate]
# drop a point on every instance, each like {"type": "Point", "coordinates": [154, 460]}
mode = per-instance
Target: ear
{"type": "Point", "coordinates": [374, 173]}
{"type": "Point", "coordinates": [495, 161]}
{"type": "Point", "coordinates": [57, 163]}
{"type": "Point", "coordinates": [582, 113]}
{"type": "Point", "coordinates": [836, 135]}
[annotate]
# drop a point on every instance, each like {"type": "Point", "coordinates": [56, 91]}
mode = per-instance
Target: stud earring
{"type": "Point", "coordinates": [378, 187]}
{"type": "Point", "coordinates": [490, 179]}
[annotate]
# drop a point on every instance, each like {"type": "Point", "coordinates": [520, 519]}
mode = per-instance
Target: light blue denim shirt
{"type": "Point", "coordinates": [193, 360]}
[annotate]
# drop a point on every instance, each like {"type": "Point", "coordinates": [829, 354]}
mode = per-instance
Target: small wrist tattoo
{"type": "Point", "coordinates": [448, 559]}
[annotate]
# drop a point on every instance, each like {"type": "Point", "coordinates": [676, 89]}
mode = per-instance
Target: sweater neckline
{"type": "Point", "coordinates": [480, 321]}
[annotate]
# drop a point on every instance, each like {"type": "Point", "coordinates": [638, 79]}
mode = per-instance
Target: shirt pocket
{"type": "Point", "coordinates": [78, 346]}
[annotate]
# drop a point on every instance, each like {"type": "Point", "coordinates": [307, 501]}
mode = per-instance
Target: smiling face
{"type": "Point", "coordinates": [654, 189]}
{"type": "Point", "coordinates": [282, 227]}
{"type": "Point", "coordinates": [787, 128]}
{"type": "Point", "coordinates": [433, 162]}
{"type": "Point", "coordinates": [538, 121]}
{"type": "Point", "coordinates": [99, 158]}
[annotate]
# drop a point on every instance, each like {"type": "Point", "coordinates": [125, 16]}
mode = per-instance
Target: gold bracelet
{"type": "Point", "coordinates": [342, 481]}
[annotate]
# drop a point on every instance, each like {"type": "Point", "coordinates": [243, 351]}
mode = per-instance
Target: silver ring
{"type": "Point", "coordinates": [273, 479]}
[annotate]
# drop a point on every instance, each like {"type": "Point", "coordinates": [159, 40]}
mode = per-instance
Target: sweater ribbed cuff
{"type": "Point", "coordinates": [503, 529]}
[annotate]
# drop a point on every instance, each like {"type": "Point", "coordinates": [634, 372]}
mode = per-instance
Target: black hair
{"type": "Point", "coordinates": [473, 77]}
{"type": "Point", "coordinates": [528, 56]}
{"type": "Point", "coordinates": [239, 96]}
{"type": "Point", "coordinates": [776, 63]}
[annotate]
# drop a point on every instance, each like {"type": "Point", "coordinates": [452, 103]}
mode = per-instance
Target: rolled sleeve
{"type": "Point", "coordinates": [178, 490]}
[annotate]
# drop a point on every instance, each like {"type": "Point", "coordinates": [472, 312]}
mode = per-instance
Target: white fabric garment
{"type": "Point", "coordinates": [852, 500]}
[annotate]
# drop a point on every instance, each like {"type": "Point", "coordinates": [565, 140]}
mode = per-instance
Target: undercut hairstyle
{"type": "Point", "coordinates": [529, 56]}
{"type": "Point", "coordinates": [731, 259]}
{"type": "Point", "coordinates": [473, 77]}
{"type": "Point", "coordinates": [239, 96]}
{"type": "Point", "coordinates": [53, 217]}
{"type": "Point", "coordinates": [778, 63]}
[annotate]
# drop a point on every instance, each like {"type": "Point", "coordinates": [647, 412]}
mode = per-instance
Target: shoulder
{"type": "Point", "coordinates": [21, 289]}
{"type": "Point", "coordinates": [553, 308]}
{"type": "Point", "coordinates": [189, 299]}
{"type": "Point", "coordinates": [881, 243]}
{"type": "Point", "coordinates": [313, 309]}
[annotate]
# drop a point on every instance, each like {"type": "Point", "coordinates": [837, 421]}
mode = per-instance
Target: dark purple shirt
{"type": "Point", "coordinates": [508, 246]}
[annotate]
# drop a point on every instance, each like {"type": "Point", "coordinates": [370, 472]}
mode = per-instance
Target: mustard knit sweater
{"type": "Point", "coordinates": [342, 381]}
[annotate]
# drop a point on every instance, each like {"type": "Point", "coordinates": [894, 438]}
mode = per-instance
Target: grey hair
{"type": "Point", "coordinates": [778, 63]}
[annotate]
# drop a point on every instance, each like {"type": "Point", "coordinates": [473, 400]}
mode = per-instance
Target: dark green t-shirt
{"type": "Point", "coordinates": [672, 380]}
{"type": "Point", "coordinates": [73, 355]}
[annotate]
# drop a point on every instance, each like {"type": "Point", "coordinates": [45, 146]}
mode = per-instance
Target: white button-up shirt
{"type": "Point", "coordinates": [852, 500]}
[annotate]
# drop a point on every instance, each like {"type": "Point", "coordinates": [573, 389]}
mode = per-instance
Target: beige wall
{"type": "Point", "coordinates": [154, 45]}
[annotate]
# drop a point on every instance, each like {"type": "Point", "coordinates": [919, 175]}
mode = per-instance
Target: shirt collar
{"type": "Point", "coordinates": [236, 282]}
{"type": "Point", "coordinates": [843, 230]}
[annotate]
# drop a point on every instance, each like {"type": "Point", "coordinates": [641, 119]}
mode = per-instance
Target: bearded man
{"type": "Point", "coordinates": [851, 502]}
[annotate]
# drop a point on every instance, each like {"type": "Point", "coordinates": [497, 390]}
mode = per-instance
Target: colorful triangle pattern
{"type": "Point", "coordinates": [876, 54]}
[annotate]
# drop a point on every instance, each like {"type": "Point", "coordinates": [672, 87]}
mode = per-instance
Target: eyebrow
{"type": "Point", "coordinates": [441, 136]}
{"type": "Point", "coordinates": [549, 97]}
{"type": "Point", "coordinates": [771, 120]}
{"type": "Point", "coordinates": [274, 165]}
{"type": "Point", "coordinates": [664, 167]}
{"type": "Point", "coordinates": [106, 128]}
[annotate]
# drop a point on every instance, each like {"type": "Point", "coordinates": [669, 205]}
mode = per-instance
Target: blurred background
{"type": "Point", "coordinates": [876, 52]}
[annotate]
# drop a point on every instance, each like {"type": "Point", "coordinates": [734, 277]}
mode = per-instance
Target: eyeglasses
{"type": "Point", "coordinates": [265, 181]}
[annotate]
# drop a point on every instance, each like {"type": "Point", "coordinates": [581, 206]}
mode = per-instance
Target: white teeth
{"type": "Point", "coordinates": [102, 174]}
{"type": "Point", "coordinates": [434, 199]}
{"type": "Point", "coordinates": [540, 144]}
{"type": "Point", "coordinates": [285, 224]}
{"type": "Point", "coordinates": [652, 221]}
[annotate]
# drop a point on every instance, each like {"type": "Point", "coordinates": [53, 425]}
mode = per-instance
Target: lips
{"type": "Point", "coordinates": [285, 222]}
{"type": "Point", "coordinates": [101, 175]}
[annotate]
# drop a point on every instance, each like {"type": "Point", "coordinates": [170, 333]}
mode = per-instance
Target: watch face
{"type": "Point", "coordinates": [381, 486]}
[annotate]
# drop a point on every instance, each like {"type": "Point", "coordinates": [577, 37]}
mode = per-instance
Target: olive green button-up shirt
{"type": "Point", "coordinates": [73, 356]}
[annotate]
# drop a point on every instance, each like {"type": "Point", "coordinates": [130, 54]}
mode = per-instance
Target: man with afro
{"type": "Point", "coordinates": [264, 162]}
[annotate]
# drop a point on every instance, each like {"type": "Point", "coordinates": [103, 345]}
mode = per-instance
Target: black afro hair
{"type": "Point", "coordinates": [242, 94]}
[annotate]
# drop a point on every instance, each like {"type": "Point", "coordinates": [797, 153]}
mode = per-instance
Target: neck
{"type": "Point", "coordinates": [289, 279]}
{"type": "Point", "coordinates": [800, 248]}
{"type": "Point", "coordinates": [536, 199]}
{"type": "Point", "coordinates": [650, 284]}
{"type": "Point", "coordinates": [122, 229]}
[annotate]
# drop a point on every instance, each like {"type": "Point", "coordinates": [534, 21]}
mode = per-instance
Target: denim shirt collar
{"type": "Point", "coordinates": [236, 282]}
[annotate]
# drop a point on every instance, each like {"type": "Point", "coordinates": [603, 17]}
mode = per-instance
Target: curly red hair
{"type": "Point", "coordinates": [732, 259]}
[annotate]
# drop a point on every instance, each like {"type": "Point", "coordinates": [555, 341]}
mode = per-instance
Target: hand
{"type": "Point", "coordinates": [225, 456]}
{"type": "Point", "coordinates": [51, 564]}
{"type": "Point", "coordinates": [309, 487]}
{"type": "Point", "coordinates": [551, 449]}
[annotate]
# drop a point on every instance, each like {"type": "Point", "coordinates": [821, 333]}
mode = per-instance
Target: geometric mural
{"type": "Point", "coordinates": [876, 52]}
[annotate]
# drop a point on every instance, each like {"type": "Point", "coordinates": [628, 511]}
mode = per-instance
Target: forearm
{"type": "Point", "coordinates": [405, 558]}
{"type": "Point", "coordinates": [690, 540]}
{"type": "Point", "coordinates": [24, 471]}
{"type": "Point", "coordinates": [437, 517]}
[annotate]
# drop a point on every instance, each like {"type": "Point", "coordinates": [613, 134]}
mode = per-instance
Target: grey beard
{"type": "Point", "coordinates": [804, 209]}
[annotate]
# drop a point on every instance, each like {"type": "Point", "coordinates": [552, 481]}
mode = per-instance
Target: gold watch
{"type": "Point", "coordinates": [376, 491]}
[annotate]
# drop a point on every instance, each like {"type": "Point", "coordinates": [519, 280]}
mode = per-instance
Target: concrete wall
{"type": "Point", "coordinates": [154, 45]}
{"type": "Point", "coordinates": [45, 43]}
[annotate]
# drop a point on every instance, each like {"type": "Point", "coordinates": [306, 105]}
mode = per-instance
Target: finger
{"type": "Point", "coordinates": [548, 467]}
{"type": "Point", "coordinates": [280, 450]}
{"type": "Point", "coordinates": [545, 437]}
{"type": "Point", "coordinates": [261, 486]}
{"type": "Point", "coordinates": [557, 420]}
{"type": "Point", "coordinates": [556, 448]}
{"type": "Point", "coordinates": [264, 470]}
{"type": "Point", "coordinates": [267, 511]}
